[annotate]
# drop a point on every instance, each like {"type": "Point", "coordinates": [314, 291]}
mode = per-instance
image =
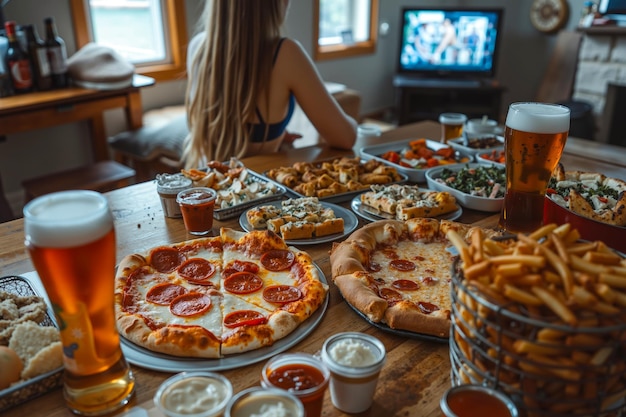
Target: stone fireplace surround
{"type": "Point", "coordinates": [601, 61]}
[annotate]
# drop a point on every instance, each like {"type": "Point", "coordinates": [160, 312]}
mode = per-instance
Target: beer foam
{"type": "Point", "coordinates": [538, 118]}
{"type": "Point", "coordinates": [67, 219]}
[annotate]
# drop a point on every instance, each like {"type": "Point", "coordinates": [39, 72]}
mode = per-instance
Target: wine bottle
{"type": "Point", "coordinates": [17, 62]}
{"type": "Point", "coordinates": [39, 59]}
{"type": "Point", "coordinates": [57, 54]}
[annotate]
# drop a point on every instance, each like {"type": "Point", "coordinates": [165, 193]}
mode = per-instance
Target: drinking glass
{"type": "Point", "coordinates": [451, 125]}
{"type": "Point", "coordinates": [71, 241]}
{"type": "Point", "coordinates": [534, 138]}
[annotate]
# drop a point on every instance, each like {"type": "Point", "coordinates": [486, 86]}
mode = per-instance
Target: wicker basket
{"type": "Point", "coordinates": [586, 376]}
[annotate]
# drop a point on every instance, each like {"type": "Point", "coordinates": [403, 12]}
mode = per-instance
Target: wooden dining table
{"type": "Point", "coordinates": [417, 369]}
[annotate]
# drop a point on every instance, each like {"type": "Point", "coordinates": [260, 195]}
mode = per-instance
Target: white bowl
{"type": "Point", "coordinates": [466, 200]}
{"type": "Point", "coordinates": [484, 156]}
{"type": "Point", "coordinates": [477, 144]}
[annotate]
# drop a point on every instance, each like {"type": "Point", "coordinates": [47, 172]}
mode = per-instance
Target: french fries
{"type": "Point", "coordinates": [545, 314]}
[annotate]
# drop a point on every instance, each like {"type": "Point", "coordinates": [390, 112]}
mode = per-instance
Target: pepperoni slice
{"type": "Point", "coordinates": [190, 304]}
{"type": "Point", "coordinates": [391, 296]}
{"type": "Point", "coordinates": [243, 283]}
{"type": "Point", "coordinates": [281, 294]}
{"type": "Point", "coordinates": [244, 318]}
{"type": "Point", "coordinates": [277, 260]}
{"type": "Point", "coordinates": [426, 307]}
{"type": "Point", "coordinates": [197, 271]}
{"type": "Point", "coordinates": [163, 294]}
{"type": "Point", "coordinates": [405, 285]}
{"type": "Point", "coordinates": [165, 259]}
{"type": "Point", "coordinates": [403, 265]}
{"type": "Point", "coordinates": [240, 266]}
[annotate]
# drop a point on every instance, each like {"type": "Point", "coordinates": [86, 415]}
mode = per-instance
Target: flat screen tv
{"type": "Point", "coordinates": [449, 42]}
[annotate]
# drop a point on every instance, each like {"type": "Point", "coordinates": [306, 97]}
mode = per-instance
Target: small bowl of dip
{"type": "Point", "coordinates": [194, 394]}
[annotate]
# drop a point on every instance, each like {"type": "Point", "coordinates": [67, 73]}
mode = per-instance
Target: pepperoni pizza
{"type": "Point", "coordinates": [398, 273]}
{"type": "Point", "coordinates": [216, 296]}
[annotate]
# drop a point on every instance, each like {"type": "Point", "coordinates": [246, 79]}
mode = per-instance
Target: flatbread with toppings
{"type": "Point", "coordinates": [408, 201]}
{"type": "Point", "coordinates": [590, 194]}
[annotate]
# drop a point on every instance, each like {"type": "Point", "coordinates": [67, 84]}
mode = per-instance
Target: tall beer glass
{"type": "Point", "coordinates": [71, 241]}
{"type": "Point", "coordinates": [534, 138]}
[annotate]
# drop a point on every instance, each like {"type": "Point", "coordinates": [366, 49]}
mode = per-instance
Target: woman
{"type": "Point", "coordinates": [244, 79]}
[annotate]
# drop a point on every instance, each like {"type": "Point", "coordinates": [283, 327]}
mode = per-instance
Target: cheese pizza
{"type": "Point", "coordinates": [398, 273]}
{"type": "Point", "coordinates": [216, 296]}
{"type": "Point", "coordinates": [408, 201]}
{"type": "Point", "coordinates": [590, 194]}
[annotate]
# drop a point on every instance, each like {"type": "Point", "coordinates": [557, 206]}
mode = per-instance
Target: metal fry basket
{"type": "Point", "coordinates": [547, 368]}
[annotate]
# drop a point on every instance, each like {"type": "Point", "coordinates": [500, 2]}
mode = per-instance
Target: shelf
{"type": "Point", "coordinates": [603, 30]}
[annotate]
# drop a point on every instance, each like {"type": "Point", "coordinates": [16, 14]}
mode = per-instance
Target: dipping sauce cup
{"type": "Point", "coordinates": [197, 205]}
{"type": "Point", "coordinates": [194, 394]}
{"type": "Point", "coordinates": [301, 374]}
{"type": "Point", "coordinates": [168, 187]}
{"type": "Point", "coordinates": [258, 401]}
{"type": "Point", "coordinates": [451, 125]}
{"type": "Point", "coordinates": [71, 240]}
{"type": "Point", "coordinates": [355, 360]}
{"type": "Point", "coordinates": [476, 401]}
{"type": "Point", "coordinates": [534, 138]}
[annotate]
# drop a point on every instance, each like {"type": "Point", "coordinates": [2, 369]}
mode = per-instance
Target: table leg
{"type": "Point", "coordinates": [6, 213]}
{"type": "Point", "coordinates": [99, 138]}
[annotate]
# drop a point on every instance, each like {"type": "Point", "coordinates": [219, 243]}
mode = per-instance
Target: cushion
{"type": "Point", "coordinates": [150, 142]}
{"type": "Point", "coordinates": [100, 67]}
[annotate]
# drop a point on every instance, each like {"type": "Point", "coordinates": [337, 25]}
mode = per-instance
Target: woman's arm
{"type": "Point", "coordinates": [302, 78]}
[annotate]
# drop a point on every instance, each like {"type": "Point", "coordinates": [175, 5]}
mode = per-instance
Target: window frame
{"type": "Point", "coordinates": [326, 52]}
{"type": "Point", "coordinates": [173, 12]}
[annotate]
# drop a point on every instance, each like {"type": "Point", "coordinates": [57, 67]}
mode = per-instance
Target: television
{"type": "Point", "coordinates": [449, 42]}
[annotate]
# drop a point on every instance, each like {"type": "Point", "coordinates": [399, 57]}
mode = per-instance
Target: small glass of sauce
{"type": "Point", "coordinates": [258, 401]}
{"type": "Point", "coordinates": [197, 205]}
{"type": "Point", "coordinates": [476, 401]}
{"type": "Point", "coordinates": [355, 360]}
{"type": "Point", "coordinates": [194, 394]}
{"type": "Point", "coordinates": [301, 374]}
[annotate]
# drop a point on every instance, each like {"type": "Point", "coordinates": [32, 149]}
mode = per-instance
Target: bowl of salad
{"type": "Point", "coordinates": [476, 186]}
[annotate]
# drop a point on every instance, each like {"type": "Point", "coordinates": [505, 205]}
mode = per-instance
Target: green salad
{"type": "Point", "coordinates": [482, 181]}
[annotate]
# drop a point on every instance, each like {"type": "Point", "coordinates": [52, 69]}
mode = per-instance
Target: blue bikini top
{"type": "Point", "coordinates": [274, 130]}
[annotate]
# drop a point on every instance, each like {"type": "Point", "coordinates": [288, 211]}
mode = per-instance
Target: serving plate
{"type": "Point", "coordinates": [339, 197]}
{"type": "Point", "coordinates": [589, 229]}
{"type": "Point", "coordinates": [464, 199]}
{"type": "Point", "coordinates": [372, 214]}
{"type": "Point", "coordinates": [350, 222]}
{"type": "Point", "coordinates": [413, 174]}
{"type": "Point", "coordinates": [478, 140]}
{"type": "Point", "coordinates": [145, 358]}
{"type": "Point", "coordinates": [484, 156]}
{"type": "Point", "coordinates": [39, 385]}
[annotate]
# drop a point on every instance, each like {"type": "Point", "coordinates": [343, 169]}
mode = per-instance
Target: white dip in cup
{"type": "Point", "coordinates": [355, 360]}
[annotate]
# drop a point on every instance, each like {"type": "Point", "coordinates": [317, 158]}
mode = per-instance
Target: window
{"type": "Point", "coordinates": [344, 28]}
{"type": "Point", "coordinates": [152, 34]}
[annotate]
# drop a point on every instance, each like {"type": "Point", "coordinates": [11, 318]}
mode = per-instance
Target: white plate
{"type": "Point", "coordinates": [459, 145]}
{"type": "Point", "coordinates": [414, 174]}
{"type": "Point", "coordinates": [350, 222]}
{"type": "Point", "coordinates": [469, 201]}
{"type": "Point", "coordinates": [371, 214]}
{"type": "Point", "coordinates": [145, 358]}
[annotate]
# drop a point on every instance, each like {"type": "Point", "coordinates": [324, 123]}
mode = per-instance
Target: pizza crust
{"type": "Point", "coordinates": [421, 240]}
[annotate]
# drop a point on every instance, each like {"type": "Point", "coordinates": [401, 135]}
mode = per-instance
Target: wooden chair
{"type": "Point", "coordinates": [558, 81]}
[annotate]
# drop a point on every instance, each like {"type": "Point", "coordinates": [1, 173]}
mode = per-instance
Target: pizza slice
{"type": "Point", "coordinates": [408, 201]}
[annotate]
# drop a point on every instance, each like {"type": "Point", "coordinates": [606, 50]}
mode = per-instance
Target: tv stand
{"type": "Point", "coordinates": [425, 99]}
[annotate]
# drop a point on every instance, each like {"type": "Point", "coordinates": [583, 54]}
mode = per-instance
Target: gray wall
{"type": "Point", "coordinates": [523, 59]}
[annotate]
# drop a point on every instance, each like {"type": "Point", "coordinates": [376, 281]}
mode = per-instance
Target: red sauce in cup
{"type": "Point", "coordinates": [298, 378]}
{"type": "Point", "coordinates": [197, 206]}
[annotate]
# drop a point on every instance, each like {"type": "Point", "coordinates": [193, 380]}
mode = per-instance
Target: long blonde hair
{"type": "Point", "coordinates": [232, 68]}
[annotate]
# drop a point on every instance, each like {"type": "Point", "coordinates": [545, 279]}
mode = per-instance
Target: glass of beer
{"type": "Point", "coordinates": [71, 241]}
{"type": "Point", "coordinates": [534, 138]}
{"type": "Point", "coordinates": [451, 125]}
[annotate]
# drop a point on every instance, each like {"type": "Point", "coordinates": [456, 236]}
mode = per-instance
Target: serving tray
{"type": "Point", "coordinates": [34, 387]}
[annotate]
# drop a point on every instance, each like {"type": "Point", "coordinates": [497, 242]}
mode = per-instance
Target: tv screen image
{"type": "Point", "coordinates": [449, 42]}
